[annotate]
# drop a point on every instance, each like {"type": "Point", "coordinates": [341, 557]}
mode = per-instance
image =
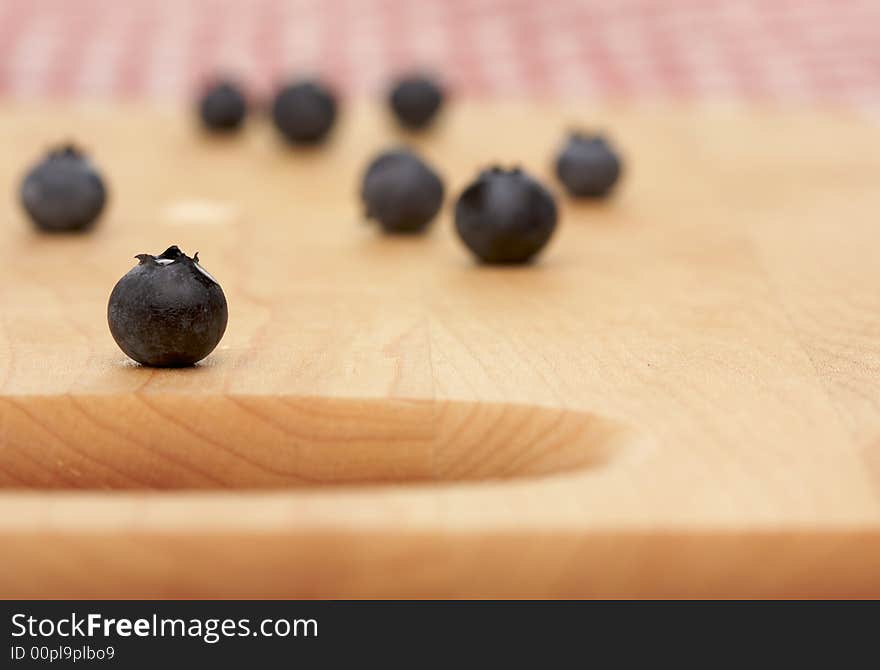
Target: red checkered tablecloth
{"type": "Point", "coordinates": [814, 51]}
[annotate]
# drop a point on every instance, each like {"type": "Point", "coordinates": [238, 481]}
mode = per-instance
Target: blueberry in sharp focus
{"type": "Point", "coordinates": [64, 192]}
{"type": "Point", "coordinates": [304, 112]}
{"type": "Point", "coordinates": [167, 311]}
{"type": "Point", "coordinates": [588, 166]}
{"type": "Point", "coordinates": [222, 107]}
{"type": "Point", "coordinates": [505, 216]}
{"type": "Point", "coordinates": [415, 101]}
{"type": "Point", "coordinates": [401, 192]}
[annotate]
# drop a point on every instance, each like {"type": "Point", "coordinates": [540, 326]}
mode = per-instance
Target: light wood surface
{"type": "Point", "coordinates": [680, 398]}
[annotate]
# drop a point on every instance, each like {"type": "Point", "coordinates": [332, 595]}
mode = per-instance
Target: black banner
{"type": "Point", "coordinates": [134, 634]}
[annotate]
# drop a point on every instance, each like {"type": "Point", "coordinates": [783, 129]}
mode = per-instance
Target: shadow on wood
{"type": "Point", "coordinates": [100, 442]}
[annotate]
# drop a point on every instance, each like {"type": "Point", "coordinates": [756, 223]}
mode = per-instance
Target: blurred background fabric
{"type": "Point", "coordinates": [801, 51]}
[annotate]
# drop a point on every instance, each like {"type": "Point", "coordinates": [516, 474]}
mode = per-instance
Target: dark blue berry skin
{"type": "Point", "coordinates": [505, 216]}
{"type": "Point", "coordinates": [222, 108]}
{"type": "Point", "coordinates": [304, 112]}
{"type": "Point", "coordinates": [64, 192]}
{"type": "Point", "coordinates": [167, 311]}
{"type": "Point", "coordinates": [415, 101]}
{"type": "Point", "coordinates": [401, 192]}
{"type": "Point", "coordinates": [587, 166]}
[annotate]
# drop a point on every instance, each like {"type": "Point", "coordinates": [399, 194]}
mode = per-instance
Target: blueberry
{"type": "Point", "coordinates": [415, 101]}
{"type": "Point", "coordinates": [587, 166]}
{"type": "Point", "coordinates": [64, 192]}
{"type": "Point", "coordinates": [167, 311]}
{"type": "Point", "coordinates": [222, 107]}
{"type": "Point", "coordinates": [505, 216]}
{"type": "Point", "coordinates": [401, 192]}
{"type": "Point", "coordinates": [304, 112]}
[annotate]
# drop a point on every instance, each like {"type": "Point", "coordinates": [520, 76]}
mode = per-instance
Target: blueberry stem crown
{"type": "Point", "coordinates": [173, 256]}
{"type": "Point", "coordinates": [172, 253]}
{"type": "Point", "coordinates": [497, 169]}
{"type": "Point", "coordinates": [583, 136]}
{"type": "Point", "coordinates": [66, 150]}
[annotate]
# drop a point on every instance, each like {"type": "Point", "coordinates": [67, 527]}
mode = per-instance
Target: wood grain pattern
{"type": "Point", "coordinates": [680, 398]}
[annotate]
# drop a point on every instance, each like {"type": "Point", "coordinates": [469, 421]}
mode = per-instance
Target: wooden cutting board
{"type": "Point", "coordinates": [682, 397]}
